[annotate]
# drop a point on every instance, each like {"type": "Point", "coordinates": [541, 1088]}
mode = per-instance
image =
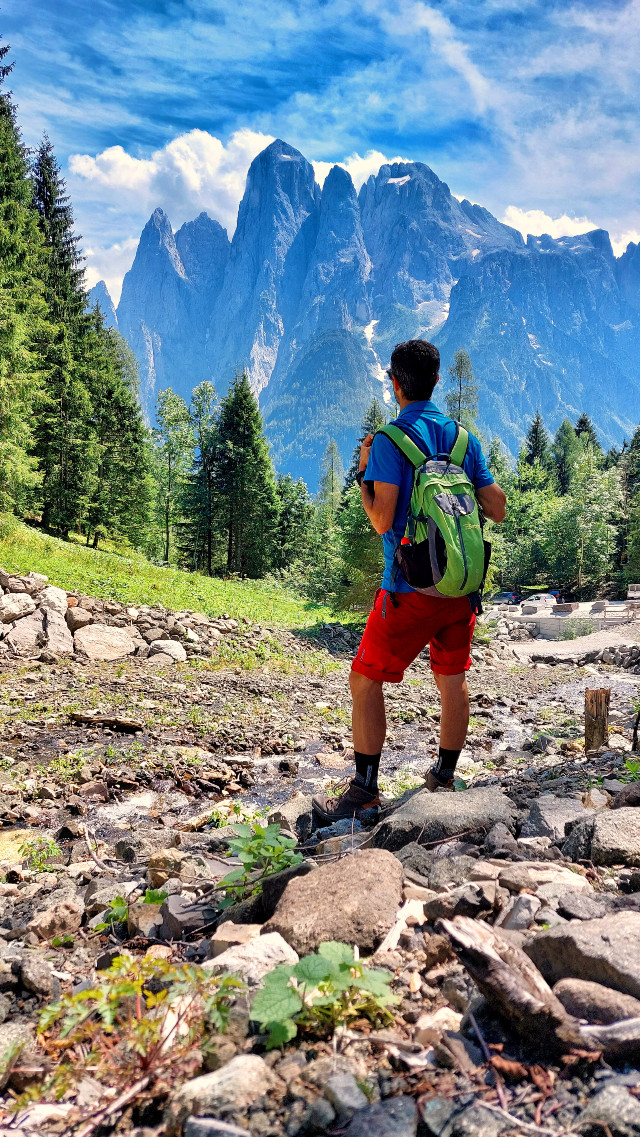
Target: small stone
{"type": "Point", "coordinates": [595, 1003]}
{"type": "Point", "coordinates": [144, 919]}
{"type": "Point", "coordinates": [64, 918]}
{"type": "Point", "coordinates": [613, 1107]}
{"type": "Point", "coordinates": [99, 894]}
{"type": "Point", "coordinates": [36, 974]}
{"type": "Point", "coordinates": [431, 1024]}
{"type": "Point", "coordinates": [605, 951]}
{"type": "Point", "coordinates": [393, 1117]}
{"type": "Point", "coordinates": [296, 816]}
{"type": "Point", "coordinates": [230, 1089]}
{"type": "Point", "coordinates": [16, 1033]}
{"type": "Point", "coordinates": [53, 599]}
{"type": "Point", "coordinates": [616, 837]}
{"type": "Point", "coordinates": [181, 916]}
{"type": "Point", "coordinates": [78, 618]}
{"type": "Point", "coordinates": [255, 958]}
{"type": "Point", "coordinates": [467, 900]}
{"type": "Point", "coordinates": [345, 1095]}
{"type": "Point", "coordinates": [230, 935]}
{"type": "Point", "coordinates": [519, 913]}
{"type": "Point", "coordinates": [319, 1116]}
{"type": "Point", "coordinates": [532, 874]}
{"type": "Point", "coordinates": [14, 606]}
{"type": "Point", "coordinates": [171, 648]}
{"type": "Point", "coordinates": [210, 1127]}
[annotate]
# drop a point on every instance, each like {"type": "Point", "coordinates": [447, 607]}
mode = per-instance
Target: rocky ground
{"type": "Point", "coordinates": [505, 916]}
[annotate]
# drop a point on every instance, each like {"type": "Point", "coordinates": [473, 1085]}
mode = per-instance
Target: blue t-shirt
{"type": "Point", "coordinates": [429, 428]}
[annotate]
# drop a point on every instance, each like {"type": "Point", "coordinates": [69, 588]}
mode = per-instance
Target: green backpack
{"type": "Point", "coordinates": [443, 552]}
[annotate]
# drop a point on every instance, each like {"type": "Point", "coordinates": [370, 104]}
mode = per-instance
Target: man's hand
{"type": "Point", "coordinates": [493, 501]}
{"type": "Point", "coordinates": [365, 451]}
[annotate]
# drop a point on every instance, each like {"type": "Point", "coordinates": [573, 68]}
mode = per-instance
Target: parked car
{"type": "Point", "coordinates": [506, 598]}
{"type": "Point", "coordinates": [541, 598]}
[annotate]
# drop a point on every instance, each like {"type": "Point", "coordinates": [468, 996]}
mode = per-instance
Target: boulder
{"type": "Point", "coordinates": [59, 638]}
{"type": "Point", "coordinates": [99, 894]}
{"type": "Point", "coordinates": [100, 642]}
{"type": "Point", "coordinates": [14, 606]}
{"type": "Point", "coordinates": [595, 1003]}
{"type": "Point", "coordinates": [62, 919]}
{"type": "Point", "coordinates": [28, 634]}
{"type": "Point", "coordinates": [605, 951]}
{"type": "Point", "coordinates": [230, 935]}
{"type": "Point", "coordinates": [296, 815]}
{"type": "Point", "coordinates": [548, 816]}
{"type": "Point", "coordinates": [431, 817]}
{"type": "Point", "coordinates": [144, 919]}
{"type": "Point", "coordinates": [230, 1089]}
{"type": "Point", "coordinates": [354, 900]}
{"type": "Point", "coordinates": [345, 1095]}
{"type": "Point", "coordinates": [30, 582]}
{"type": "Point", "coordinates": [170, 648]}
{"type": "Point", "coordinates": [36, 974]}
{"type": "Point", "coordinates": [253, 959]}
{"type": "Point", "coordinates": [616, 837]}
{"type": "Point", "coordinates": [533, 874]}
{"type": "Point", "coordinates": [53, 599]}
{"type": "Point", "coordinates": [613, 1110]}
{"type": "Point", "coordinates": [182, 915]}
{"type": "Point", "coordinates": [78, 618]}
{"type": "Point", "coordinates": [393, 1117]}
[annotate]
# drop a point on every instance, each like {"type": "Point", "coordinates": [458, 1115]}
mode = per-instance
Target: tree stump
{"type": "Point", "coordinates": [596, 717]}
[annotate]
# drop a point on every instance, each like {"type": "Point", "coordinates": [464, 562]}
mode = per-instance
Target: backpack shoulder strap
{"type": "Point", "coordinates": [460, 446]}
{"type": "Point", "coordinates": [413, 453]}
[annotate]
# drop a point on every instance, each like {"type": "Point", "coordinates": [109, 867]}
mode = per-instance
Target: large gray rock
{"type": "Point", "coordinates": [231, 1089]}
{"type": "Point", "coordinates": [30, 582]}
{"type": "Point", "coordinates": [15, 605]}
{"type": "Point", "coordinates": [53, 599]}
{"type": "Point", "coordinates": [548, 816]}
{"type": "Point", "coordinates": [296, 815]}
{"type": "Point", "coordinates": [595, 1003]}
{"type": "Point", "coordinates": [354, 900]}
{"type": "Point", "coordinates": [170, 648]}
{"type": "Point", "coordinates": [58, 920]}
{"type": "Point", "coordinates": [613, 1107]}
{"type": "Point", "coordinates": [99, 641]}
{"type": "Point", "coordinates": [616, 837]}
{"type": "Point", "coordinates": [394, 1117]}
{"type": "Point", "coordinates": [606, 951]}
{"type": "Point", "coordinates": [430, 817]}
{"type": "Point", "coordinates": [27, 635]}
{"type": "Point", "coordinates": [78, 618]}
{"type": "Point", "coordinates": [59, 638]}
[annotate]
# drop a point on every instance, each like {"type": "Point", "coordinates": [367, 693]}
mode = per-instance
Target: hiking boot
{"type": "Point", "coordinates": [433, 782]}
{"type": "Point", "coordinates": [348, 804]}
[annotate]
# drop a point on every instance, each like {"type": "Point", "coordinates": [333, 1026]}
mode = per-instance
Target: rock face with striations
{"type": "Point", "coordinates": [431, 817]}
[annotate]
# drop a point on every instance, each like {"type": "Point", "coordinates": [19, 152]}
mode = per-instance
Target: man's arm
{"type": "Point", "coordinates": [378, 503]}
{"type": "Point", "coordinates": [493, 501]}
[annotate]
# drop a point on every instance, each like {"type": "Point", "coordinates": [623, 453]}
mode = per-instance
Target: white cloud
{"type": "Point", "coordinates": [109, 263]}
{"type": "Point", "coordinates": [360, 167]}
{"type": "Point", "coordinates": [537, 222]}
{"type": "Point", "coordinates": [194, 172]}
{"type": "Point", "coordinates": [620, 243]}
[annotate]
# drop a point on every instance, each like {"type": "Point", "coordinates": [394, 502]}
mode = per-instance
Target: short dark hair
{"type": "Point", "coordinates": [415, 364]}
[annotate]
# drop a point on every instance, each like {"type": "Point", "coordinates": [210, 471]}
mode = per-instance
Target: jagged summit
{"type": "Point", "coordinates": [316, 287]}
{"type": "Point", "coordinates": [100, 295]}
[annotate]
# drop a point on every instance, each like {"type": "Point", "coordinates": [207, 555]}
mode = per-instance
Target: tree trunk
{"type": "Point", "coordinates": [596, 717]}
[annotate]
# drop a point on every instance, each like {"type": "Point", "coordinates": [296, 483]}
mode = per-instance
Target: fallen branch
{"type": "Point", "coordinates": [114, 722]}
{"type": "Point", "coordinates": [94, 857]}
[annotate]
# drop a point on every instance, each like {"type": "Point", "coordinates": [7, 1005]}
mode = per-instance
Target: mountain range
{"type": "Point", "coordinates": [318, 284]}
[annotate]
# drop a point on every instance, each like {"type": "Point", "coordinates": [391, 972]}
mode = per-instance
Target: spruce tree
{"type": "Point", "coordinates": [200, 524]}
{"type": "Point", "coordinates": [584, 425]}
{"type": "Point", "coordinates": [65, 444]}
{"type": "Point", "coordinates": [564, 450]}
{"type": "Point", "coordinates": [375, 417]}
{"type": "Point", "coordinates": [245, 483]}
{"type": "Point", "coordinates": [462, 393]}
{"type": "Point", "coordinates": [173, 459]}
{"type": "Point", "coordinates": [23, 309]}
{"type": "Point", "coordinates": [331, 478]}
{"type": "Point", "coordinates": [293, 536]}
{"type": "Point", "coordinates": [536, 447]}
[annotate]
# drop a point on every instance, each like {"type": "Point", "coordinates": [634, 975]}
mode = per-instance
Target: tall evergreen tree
{"type": "Point", "coordinates": [375, 417]}
{"type": "Point", "coordinates": [65, 444]}
{"type": "Point", "coordinates": [200, 523]}
{"type": "Point", "coordinates": [22, 307]}
{"type": "Point", "coordinates": [536, 446]}
{"type": "Point", "coordinates": [245, 483]}
{"type": "Point", "coordinates": [462, 392]}
{"type": "Point", "coordinates": [331, 478]}
{"type": "Point", "coordinates": [564, 451]}
{"type": "Point", "coordinates": [584, 425]}
{"type": "Point", "coordinates": [173, 459]}
{"type": "Point", "coordinates": [293, 535]}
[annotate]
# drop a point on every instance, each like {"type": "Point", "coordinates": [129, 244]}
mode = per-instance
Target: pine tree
{"type": "Point", "coordinates": [331, 478]}
{"type": "Point", "coordinates": [200, 526]}
{"type": "Point", "coordinates": [361, 554]}
{"type": "Point", "coordinates": [245, 483]}
{"type": "Point", "coordinates": [295, 522]}
{"type": "Point", "coordinates": [22, 308]}
{"type": "Point", "coordinates": [65, 445]}
{"type": "Point", "coordinates": [564, 450]}
{"type": "Point", "coordinates": [375, 417]}
{"type": "Point", "coordinates": [536, 447]}
{"type": "Point", "coordinates": [173, 459]}
{"type": "Point", "coordinates": [462, 394]}
{"type": "Point", "coordinates": [584, 425]}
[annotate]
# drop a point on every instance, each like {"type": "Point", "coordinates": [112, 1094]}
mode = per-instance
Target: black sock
{"type": "Point", "coordinates": [445, 767]}
{"type": "Point", "coordinates": [367, 766]}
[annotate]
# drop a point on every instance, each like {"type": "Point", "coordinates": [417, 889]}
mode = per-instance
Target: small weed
{"type": "Point", "coordinates": [399, 783]}
{"type": "Point", "coordinates": [320, 992]}
{"type": "Point", "coordinates": [37, 851]}
{"type": "Point", "coordinates": [154, 896]}
{"type": "Point", "coordinates": [631, 772]}
{"type": "Point", "coordinates": [117, 913]}
{"type": "Point", "coordinates": [65, 941]}
{"type": "Point", "coordinates": [262, 850]}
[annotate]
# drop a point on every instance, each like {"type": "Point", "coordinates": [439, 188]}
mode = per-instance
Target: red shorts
{"type": "Point", "coordinates": [394, 637]}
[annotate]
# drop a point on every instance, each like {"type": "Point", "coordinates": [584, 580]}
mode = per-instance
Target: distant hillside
{"type": "Point", "coordinates": [317, 286]}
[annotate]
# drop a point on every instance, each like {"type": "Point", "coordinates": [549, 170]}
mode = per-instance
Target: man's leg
{"type": "Point", "coordinates": [454, 723]}
{"type": "Point", "coordinates": [369, 729]}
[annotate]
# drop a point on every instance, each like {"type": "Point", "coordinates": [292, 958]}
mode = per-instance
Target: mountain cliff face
{"type": "Point", "coordinates": [99, 295]}
{"type": "Point", "coordinates": [316, 287]}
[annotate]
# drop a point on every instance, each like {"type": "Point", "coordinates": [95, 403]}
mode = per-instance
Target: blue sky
{"type": "Point", "coordinates": [530, 107]}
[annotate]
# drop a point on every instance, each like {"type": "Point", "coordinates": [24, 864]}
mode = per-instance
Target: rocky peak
{"type": "Point", "coordinates": [203, 248]}
{"type": "Point", "coordinates": [99, 295]}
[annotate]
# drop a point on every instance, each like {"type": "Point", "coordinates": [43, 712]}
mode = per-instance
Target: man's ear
{"type": "Point", "coordinates": [438, 378]}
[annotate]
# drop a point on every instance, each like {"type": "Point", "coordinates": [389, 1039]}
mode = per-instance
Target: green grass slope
{"type": "Point", "coordinates": [131, 579]}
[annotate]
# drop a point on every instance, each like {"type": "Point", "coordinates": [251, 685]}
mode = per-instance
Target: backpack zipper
{"type": "Point", "coordinates": [462, 550]}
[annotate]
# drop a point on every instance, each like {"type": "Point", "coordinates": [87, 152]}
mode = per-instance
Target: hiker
{"type": "Point", "coordinates": [421, 479]}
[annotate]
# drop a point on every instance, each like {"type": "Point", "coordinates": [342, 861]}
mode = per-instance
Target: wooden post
{"type": "Point", "coordinates": [596, 717]}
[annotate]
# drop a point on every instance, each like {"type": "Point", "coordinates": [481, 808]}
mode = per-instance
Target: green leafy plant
{"type": "Point", "coordinates": [37, 851]}
{"type": "Point", "coordinates": [65, 941]}
{"type": "Point", "coordinates": [631, 772]}
{"type": "Point", "coordinates": [319, 992]}
{"type": "Point", "coordinates": [262, 850]}
{"type": "Point", "coordinates": [117, 913]}
{"type": "Point", "coordinates": [397, 784]}
{"type": "Point", "coordinates": [155, 896]}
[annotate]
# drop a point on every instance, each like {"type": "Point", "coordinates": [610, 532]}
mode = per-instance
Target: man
{"type": "Point", "coordinates": [404, 621]}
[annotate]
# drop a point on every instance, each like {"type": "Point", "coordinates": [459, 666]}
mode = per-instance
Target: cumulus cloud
{"type": "Point", "coordinates": [359, 166]}
{"type": "Point", "coordinates": [110, 263]}
{"type": "Point", "coordinates": [537, 222]}
{"type": "Point", "coordinates": [194, 172]}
